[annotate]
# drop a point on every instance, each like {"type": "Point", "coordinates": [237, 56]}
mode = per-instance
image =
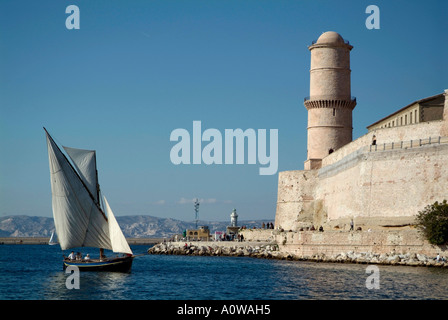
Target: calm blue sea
{"type": "Point", "coordinates": [34, 272]}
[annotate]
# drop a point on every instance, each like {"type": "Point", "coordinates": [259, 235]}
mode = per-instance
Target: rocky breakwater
{"type": "Point", "coordinates": [271, 251]}
{"type": "Point", "coordinates": [392, 258]}
{"type": "Point", "coordinates": [231, 249]}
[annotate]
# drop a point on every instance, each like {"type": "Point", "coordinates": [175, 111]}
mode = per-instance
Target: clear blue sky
{"type": "Point", "coordinates": [136, 70]}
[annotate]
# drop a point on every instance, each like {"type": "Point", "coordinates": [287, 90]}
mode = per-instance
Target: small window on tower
{"type": "Point", "coordinates": [334, 112]}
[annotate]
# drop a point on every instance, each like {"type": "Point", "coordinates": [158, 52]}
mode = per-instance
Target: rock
{"type": "Point", "coordinates": [341, 258]}
{"type": "Point", "coordinates": [382, 258]}
{"type": "Point", "coordinates": [393, 259]}
{"type": "Point", "coordinates": [431, 262]}
{"type": "Point", "coordinates": [404, 256]}
{"type": "Point", "coordinates": [421, 257]}
{"type": "Point", "coordinates": [374, 260]}
{"type": "Point", "coordinates": [271, 251]}
{"type": "Point", "coordinates": [362, 260]}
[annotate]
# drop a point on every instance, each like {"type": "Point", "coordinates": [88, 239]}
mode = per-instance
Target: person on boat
{"type": "Point", "coordinates": [87, 257]}
{"type": "Point", "coordinates": [71, 256]}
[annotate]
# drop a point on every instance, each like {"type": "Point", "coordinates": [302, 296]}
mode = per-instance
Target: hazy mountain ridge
{"type": "Point", "coordinates": [26, 226]}
{"type": "Point", "coordinates": [138, 226]}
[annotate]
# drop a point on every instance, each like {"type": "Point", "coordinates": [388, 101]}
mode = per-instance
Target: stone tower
{"type": "Point", "coordinates": [330, 103]}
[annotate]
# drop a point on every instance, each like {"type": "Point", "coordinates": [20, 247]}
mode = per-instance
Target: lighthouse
{"type": "Point", "coordinates": [330, 103]}
{"type": "Point", "coordinates": [234, 218]}
{"type": "Point", "coordinates": [232, 230]}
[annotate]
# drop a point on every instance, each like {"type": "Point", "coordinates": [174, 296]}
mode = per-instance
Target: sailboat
{"type": "Point", "coordinates": [78, 216]}
{"type": "Point", "coordinates": [53, 239]}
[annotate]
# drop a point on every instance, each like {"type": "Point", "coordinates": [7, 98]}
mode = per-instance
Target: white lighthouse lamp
{"type": "Point", "coordinates": [234, 218]}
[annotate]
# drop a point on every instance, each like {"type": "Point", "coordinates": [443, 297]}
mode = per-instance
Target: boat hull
{"type": "Point", "coordinates": [112, 265]}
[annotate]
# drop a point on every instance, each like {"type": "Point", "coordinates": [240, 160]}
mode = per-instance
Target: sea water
{"type": "Point", "coordinates": [34, 272]}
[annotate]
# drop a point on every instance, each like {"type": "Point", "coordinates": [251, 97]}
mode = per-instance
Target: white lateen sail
{"type": "Point", "coordinates": [85, 164]}
{"type": "Point", "coordinates": [117, 239]}
{"type": "Point", "coordinates": [78, 218]}
{"type": "Point", "coordinates": [53, 239]}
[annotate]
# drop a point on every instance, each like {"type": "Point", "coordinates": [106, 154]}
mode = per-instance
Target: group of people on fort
{"type": "Point", "coordinates": [312, 228]}
{"type": "Point", "coordinates": [231, 237]}
{"type": "Point", "coordinates": [321, 229]}
{"type": "Point", "coordinates": [268, 225]}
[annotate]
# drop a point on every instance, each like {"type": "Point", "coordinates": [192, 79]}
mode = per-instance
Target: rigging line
{"type": "Point", "coordinates": [139, 255]}
{"type": "Point", "coordinates": [79, 171]}
{"type": "Point", "coordinates": [86, 211]}
{"type": "Point", "coordinates": [76, 173]}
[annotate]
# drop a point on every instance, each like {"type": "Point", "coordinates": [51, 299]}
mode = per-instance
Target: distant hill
{"type": "Point", "coordinates": [138, 226]}
{"type": "Point", "coordinates": [26, 226]}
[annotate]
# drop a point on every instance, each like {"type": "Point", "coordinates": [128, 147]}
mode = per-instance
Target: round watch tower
{"type": "Point", "coordinates": [330, 103]}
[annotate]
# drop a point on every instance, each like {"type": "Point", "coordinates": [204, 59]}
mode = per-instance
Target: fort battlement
{"type": "Point", "coordinates": [396, 135]}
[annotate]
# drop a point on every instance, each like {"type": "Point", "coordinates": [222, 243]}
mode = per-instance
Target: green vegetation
{"type": "Point", "coordinates": [433, 222]}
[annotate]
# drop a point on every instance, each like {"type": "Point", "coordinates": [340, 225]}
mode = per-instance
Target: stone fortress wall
{"type": "Point", "coordinates": [377, 185]}
{"type": "Point", "coordinates": [390, 247]}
